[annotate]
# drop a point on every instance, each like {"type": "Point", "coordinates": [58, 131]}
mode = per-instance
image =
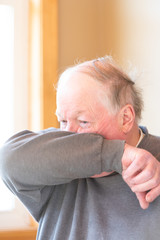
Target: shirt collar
{"type": "Point", "coordinates": [141, 136]}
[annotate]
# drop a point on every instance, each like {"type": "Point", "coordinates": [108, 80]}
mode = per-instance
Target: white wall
{"type": "Point", "coordinates": [129, 30]}
{"type": "Point", "coordinates": [138, 34]}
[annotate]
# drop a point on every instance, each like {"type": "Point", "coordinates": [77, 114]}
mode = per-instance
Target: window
{"type": "Point", "coordinates": [13, 94]}
{"type": "Point", "coordinates": [6, 86]}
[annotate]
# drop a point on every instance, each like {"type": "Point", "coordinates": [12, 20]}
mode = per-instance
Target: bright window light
{"type": "Point", "coordinates": [6, 90]}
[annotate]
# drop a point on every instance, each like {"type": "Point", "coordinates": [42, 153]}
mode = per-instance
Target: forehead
{"type": "Point", "coordinates": [75, 80]}
{"type": "Point", "coordinates": [78, 90]}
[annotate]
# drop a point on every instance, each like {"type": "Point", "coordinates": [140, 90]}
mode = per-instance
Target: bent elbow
{"type": "Point", "coordinates": [6, 161]}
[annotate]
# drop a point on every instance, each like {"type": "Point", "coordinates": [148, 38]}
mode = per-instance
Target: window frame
{"type": "Point", "coordinates": [19, 217]}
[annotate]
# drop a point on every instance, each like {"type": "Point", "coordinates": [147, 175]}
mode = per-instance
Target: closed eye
{"type": "Point", "coordinates": [63, 124]}
{"type": "Point", "coordinates": [63, 121]}
{"type": "Point", "coordinates": [84, 124]}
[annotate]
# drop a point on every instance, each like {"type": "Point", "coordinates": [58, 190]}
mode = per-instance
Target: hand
{"type": "Point", "coordinates": [141, 171]}
{"type": "Point", "coordinates": [103, 174]}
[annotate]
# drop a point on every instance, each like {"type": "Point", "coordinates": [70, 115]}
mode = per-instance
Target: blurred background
{"type": "Point", "coordinates": [40, 38]}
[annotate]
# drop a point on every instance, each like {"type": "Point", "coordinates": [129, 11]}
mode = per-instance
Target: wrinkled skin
{"type": "Point", "coordinates": [80, 109]}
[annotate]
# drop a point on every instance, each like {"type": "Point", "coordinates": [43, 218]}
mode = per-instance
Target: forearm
{"type": "Point", "coordinates": [34, 160]}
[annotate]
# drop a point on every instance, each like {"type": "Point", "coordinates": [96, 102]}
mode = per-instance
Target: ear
{"type": "Point", "coordinates": [126, 118]}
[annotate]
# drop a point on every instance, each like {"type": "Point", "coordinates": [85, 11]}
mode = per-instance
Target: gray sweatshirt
{"type": "Point", "coordinates": [50, 172]}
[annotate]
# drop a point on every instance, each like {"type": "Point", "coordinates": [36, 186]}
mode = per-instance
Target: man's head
{"type": "Point", "coordinates": [97, 96]}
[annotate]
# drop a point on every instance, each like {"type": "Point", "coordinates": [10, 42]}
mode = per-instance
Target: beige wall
{"type": "Point", "coordinates": [128, 30]}
{"type": "Point", "coordinates": [82, 30]}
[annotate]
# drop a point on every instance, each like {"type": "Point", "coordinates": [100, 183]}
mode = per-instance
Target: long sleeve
{"type": "Point", "coordinates": [33, 160]}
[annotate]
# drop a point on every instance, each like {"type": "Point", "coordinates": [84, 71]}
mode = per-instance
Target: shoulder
{"type": "Point", "coordinates": [150, 143]}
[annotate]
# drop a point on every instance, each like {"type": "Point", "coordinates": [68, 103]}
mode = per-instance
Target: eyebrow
{"type": "Point", "coordinates": [77, 113]}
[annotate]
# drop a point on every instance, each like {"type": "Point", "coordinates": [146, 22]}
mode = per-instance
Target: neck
{"type": "Point", "coordinates": [133, 136]}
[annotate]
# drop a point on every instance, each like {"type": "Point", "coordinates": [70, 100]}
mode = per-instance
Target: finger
{"type": "Point", "coordinates": [153, 194]}
{"type": "Point", "coordinates": [152, 183]}
{"type": "Point", "coordinates": [145, 186]}
{"type": "Point", "coordinates": [129, 181]}
{"type": "Point", "coordinates": [142, 200]}
{"type": "Point", "coordinates": [134, 169]}
{"type": "Point", "coordinates": [147, 174]}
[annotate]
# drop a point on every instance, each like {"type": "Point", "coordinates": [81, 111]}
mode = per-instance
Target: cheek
{"type": "Point", "coordinates": [109, 129]}
{"type": "Point", "coordinates": [90, 130]}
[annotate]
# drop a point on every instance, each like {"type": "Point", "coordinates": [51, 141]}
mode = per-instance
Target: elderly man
{"type": "Point", "coordinates": [69, 179]}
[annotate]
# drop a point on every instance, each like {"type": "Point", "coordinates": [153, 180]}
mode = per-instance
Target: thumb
{"type": "Point", "coordinates": [141, 196]}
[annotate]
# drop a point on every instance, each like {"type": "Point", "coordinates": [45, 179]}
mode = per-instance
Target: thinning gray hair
{"type": "Point", "coordinates": [118, 87]}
